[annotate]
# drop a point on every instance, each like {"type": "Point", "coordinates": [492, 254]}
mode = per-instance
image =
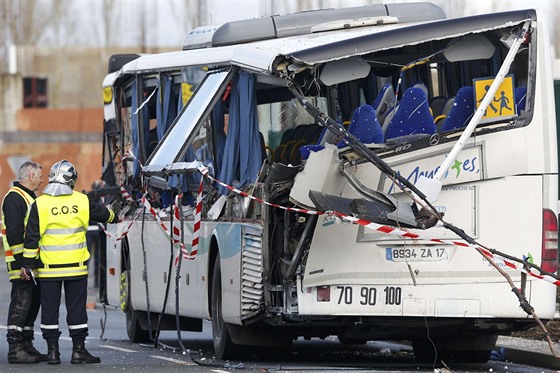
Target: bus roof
{"type": "Point", "coordinates": [300, 23]}
{"type": "Point", "coordinates": [315, 48]}
{"type": "Point", "coordinates": [173, 60]}
{"type": "Point", "coordinates": [332, 45]}
{"type": "Point", "coordinates": [208, 45]}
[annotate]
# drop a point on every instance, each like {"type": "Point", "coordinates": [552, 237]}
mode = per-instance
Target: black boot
{"type": "Point", "coordinates": [79, 353]}
{"type": "Point", "coordinates": [28, 346]}
{"type": "Point", "coordinates": [53, 354]}
{"type": "Point", "coordinates": [18, 355]}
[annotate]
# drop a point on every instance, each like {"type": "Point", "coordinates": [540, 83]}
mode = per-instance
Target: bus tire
{"type": "Point", "coordinates": [223, 344]}
{"type": "Point", "coordinates": [134, 330]}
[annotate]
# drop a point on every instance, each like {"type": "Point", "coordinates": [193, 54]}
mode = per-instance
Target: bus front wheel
{"type": "Point", "coordinates": [223, 345]}
{"type": "Point", "coordinates": [134, 330]}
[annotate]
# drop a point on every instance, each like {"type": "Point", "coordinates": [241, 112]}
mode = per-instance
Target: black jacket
{"type": "Point", "coordinates": [14, 209]}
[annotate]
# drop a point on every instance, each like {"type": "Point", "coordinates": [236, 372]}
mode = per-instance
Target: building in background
{"type": "Point", "coordinates": [49, 113]}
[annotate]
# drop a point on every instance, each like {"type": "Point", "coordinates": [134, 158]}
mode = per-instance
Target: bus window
{"type": "Point", "coordinates": [193, 112]}
{"type": "Point", "coordinates": [286, 127]}
{"type": "Point", "coordinates": [123, 141]}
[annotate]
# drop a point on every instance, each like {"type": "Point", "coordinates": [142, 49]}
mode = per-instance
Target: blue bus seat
{"type": "Point", "coordinates": [365, 126]}
{"type": "Point", "coordinates": [412, 116]}
{"type": "Point", "coordinates": [462, 110]}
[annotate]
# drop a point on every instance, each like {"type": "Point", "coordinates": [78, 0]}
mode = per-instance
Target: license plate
{"type": "Point", "coordinates": [415, 254]}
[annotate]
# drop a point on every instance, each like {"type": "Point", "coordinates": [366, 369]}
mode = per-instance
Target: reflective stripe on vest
{"type": "Point", "coordinates": [63, 272]}
{"type": "Point", "coordinates": [13, 274]}
{"type": "Point", "coordinates": [65, 230]}
{"type": "Point", "coordinates": [16, 249]}
{"type": "Point", "coordinates": [63, 222]}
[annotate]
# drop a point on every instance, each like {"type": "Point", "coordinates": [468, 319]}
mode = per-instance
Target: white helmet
{"type": "Point", "coordinates": [62, 178]}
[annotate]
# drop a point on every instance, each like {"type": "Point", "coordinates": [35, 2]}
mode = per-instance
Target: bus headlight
{"type": "Point", "coordinates": [107, 95]}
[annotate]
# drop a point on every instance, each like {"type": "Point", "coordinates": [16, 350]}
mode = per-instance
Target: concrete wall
{"type": "Point", "coordinates": [11, 100]}
{"type": "Point", "coordinates": [47, 136]}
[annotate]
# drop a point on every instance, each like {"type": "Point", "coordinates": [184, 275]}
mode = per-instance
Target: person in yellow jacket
{"type": "Point", "coordinates": [56, 230]}
{"type": "Point", "coordinates": [25, 297]}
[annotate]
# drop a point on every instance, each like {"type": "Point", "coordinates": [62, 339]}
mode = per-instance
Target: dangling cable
{"type": "Point", "coordinates": [166, 293]}
{"type": "Point", "coordinates": [523, 302]}
{"type": "Point", "coordinates": [146, 272]}
{"type": "Point", "coordinates": [103, 322]}
{"type": "Point", "coordinates": [417, 62]}
{"type": "Point", "coordinates": [178, 205]}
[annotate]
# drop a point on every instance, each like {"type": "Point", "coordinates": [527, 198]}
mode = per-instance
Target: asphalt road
{"type": "Point", "coordinates": [109, 341]}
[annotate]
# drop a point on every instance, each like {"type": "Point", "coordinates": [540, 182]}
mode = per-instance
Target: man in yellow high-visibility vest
{"type": "Point", "coordinates": [25, 296]}
{"type": "Point", "coordinates": [56, 230]}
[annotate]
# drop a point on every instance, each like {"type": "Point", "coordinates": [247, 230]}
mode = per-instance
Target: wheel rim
{"type": "Point", "coordinates": [124, 296]}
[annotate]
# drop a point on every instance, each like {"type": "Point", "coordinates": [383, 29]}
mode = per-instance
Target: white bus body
{"type": "Point", "coordinates": [266, 275]}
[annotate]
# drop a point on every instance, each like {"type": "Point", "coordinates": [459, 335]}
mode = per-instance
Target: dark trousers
{"type": "Point", "coordinates": [22, 312]}
{"type": "Point", "coordinates": [75, 297]}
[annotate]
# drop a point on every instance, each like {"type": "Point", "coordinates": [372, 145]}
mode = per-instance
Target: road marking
{"type": "Point", "coordinates": [220, 371]}
{"type": "Point", "coordinates": [117, 348]}
{"type": "Point", "coordinates": [171, 360]}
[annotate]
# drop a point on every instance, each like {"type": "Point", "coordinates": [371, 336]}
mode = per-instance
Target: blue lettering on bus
{"type": "Point", "coordinates": [467, 166]}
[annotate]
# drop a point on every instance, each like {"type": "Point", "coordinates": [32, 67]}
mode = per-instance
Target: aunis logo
{"type": "Point", "coordinates": [456, 171]}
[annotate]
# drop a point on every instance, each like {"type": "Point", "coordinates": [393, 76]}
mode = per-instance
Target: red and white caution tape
{"type": "Point", "coordinates": [153, 212]}
{"type": "Point", "coordinates": [125, 194]}
{"type": "Point", "coordinates": [176, 220]}
{"type": "Point", "coordinates": [176, 235]}
{"type": "Point", "coordinates": [128, 198]}
{"type": "Point", "coordinates": [131, 153]}
{"type": "Point", "coordinates": [197, 218]}
{"type": "Point", "coordinates": [205, 172]}
{"type": "Point", "coordinates": [148, 206]}
{"type": "Point", "coordinates": [123, 234]}
{"type": "Point", "coordinates": [390, 230]}
{"type": "Point", "coordinates": [196, 225]}
{"type": "Point", "coordinates": [177, 231]}
{"type": "Point", "coordinates": [398, 232]}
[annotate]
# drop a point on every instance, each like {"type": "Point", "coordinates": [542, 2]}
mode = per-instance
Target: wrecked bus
{"type": "Point", "coordinates": [369, 173]}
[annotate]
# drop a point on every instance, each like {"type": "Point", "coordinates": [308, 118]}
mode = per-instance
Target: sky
{"type": "Point", "coordinates": [171, 33]}
{"type": "Point", "coordinates": [223, 10]}
{"type": "Point", "coordinates": [166, 22]}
